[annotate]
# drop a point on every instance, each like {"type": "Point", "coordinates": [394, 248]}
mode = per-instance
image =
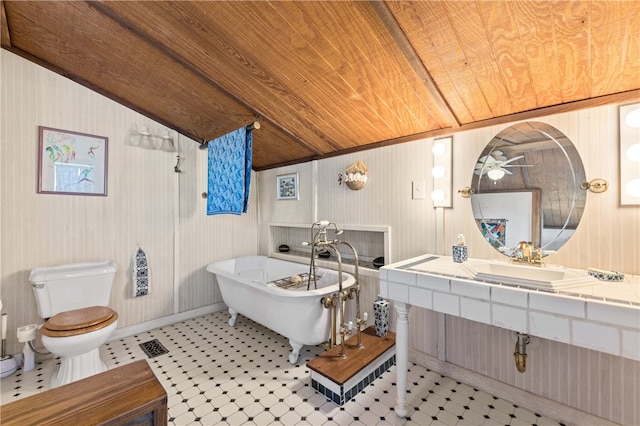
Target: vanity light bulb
{"type": "Point", "coordinates": [438, 149]}
{"type": "Point", "coordinates": [633, 118]}
{"type": "Point", "coordinates": [633, 188]}
{"type": "Point", "coordinates": [437, 195]}
{"type": "Point", "coordinates": [633, 153]}
{"type": "Point", "coordinates": [438, 172]}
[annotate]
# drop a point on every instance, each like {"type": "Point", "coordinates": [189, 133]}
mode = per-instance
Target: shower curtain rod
{"type": "Point", "coordinates": [253, 126]}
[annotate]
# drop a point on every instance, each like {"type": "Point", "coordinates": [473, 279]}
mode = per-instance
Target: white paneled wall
{"type": "Point", "coordinates": [384, 201]}
{"type": "Point", "coordinates": [48, 229]}
{"type": "Point", "coordinates": [273, 210]}
{"type": "Point", "coordinates": [147, 204]}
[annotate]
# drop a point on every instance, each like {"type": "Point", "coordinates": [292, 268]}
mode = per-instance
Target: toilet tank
{"type": "Point", "coordinates": [75, 286]}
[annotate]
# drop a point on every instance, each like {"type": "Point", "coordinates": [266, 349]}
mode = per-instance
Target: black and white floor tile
{"type": "Point", "coordinates": [215, 374]}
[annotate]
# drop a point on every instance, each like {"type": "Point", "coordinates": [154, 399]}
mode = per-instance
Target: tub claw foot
{"type": "Point", "coordinates": [295, 351]}
{"type": "Point", "coordinates": [234, 316]}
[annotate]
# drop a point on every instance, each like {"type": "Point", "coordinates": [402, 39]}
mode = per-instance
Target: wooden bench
{"type": "Point", "coordinates": [130, 394]}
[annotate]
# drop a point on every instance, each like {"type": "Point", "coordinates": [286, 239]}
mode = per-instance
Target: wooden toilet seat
{"type": "Point", "coordinates": [79, 321]}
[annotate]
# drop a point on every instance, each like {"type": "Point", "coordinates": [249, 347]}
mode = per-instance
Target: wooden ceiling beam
{"type": "Point", "coordinates": [5, 37]}
{"type": "Point", "coordinates": [409, 52]}
{"type": "Point", "coordinates": [106, 11]}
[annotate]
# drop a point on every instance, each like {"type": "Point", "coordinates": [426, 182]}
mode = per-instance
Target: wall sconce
{"type": "Point", "coordinates": [630, 154]}
{"type": "Point", "coordinates": [441, 172]}
{"type": "Point", "coordinates": [355, 177]}
{"type": "Point", "coordinates": [143, 138]}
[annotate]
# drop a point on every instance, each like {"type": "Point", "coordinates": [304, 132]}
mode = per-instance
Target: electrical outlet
{"type": "Point", "coordinates": [418, 188]}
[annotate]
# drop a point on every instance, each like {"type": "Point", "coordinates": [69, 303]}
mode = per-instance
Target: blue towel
{"type": "Point", "coordinates": [229, 173]}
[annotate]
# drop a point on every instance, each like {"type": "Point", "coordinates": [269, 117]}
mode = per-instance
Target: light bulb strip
{"type": "Point", "coordinates": [442, 172]}
{"type": "Point", "coordinates": [629, 154]}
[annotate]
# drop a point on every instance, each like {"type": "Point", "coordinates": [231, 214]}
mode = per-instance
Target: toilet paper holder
{"type": "Point", "coordinates": [27, 333]}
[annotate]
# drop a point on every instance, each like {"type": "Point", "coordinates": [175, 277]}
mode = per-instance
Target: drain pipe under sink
{"type": "Point", "coordinates": [520, 354]}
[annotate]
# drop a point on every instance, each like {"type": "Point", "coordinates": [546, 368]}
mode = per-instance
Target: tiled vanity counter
{"type": "Point", "coordinates": [603, 317]}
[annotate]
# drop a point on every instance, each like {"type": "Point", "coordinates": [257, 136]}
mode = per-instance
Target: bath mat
{"type": "Point", "coordinates": [153, 348]}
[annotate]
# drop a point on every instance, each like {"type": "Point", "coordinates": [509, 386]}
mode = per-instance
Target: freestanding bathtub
{"type": "Point", "coordinates": [247, 287]}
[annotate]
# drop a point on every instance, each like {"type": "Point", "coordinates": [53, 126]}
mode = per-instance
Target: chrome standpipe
{"type": "Point", "coordinates": [336, 301]}
{"type": "Point", "coordinates": [356, 289]}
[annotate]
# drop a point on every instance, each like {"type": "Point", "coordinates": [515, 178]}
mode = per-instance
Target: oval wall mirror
{"type": "Point", "coordinates": [526, 186]}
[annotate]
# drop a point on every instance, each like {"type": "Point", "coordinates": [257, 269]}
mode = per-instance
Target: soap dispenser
{"type": "Point", "coordinates": [460, 252]}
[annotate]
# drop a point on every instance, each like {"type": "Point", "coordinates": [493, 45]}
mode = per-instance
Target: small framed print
{"type": "Point", "coordinates": [287, 187]}
{"type": "Point", "coordinates": [72, 163]}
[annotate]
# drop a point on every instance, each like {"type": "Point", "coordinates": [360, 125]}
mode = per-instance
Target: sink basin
{"type": "Point", "coordinates": [548, 277]}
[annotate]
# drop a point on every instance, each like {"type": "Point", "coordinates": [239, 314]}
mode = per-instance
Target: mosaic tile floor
{"type": "Point", "coordinates": [218, 375]}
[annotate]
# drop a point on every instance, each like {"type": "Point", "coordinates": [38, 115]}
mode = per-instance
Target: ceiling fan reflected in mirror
{"type": "Point", "coordinates": [495, 165]}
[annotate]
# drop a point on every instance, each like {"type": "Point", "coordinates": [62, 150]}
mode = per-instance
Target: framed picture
{"type": "Point", "coordinates": [287, 186]}
{"type": "Point", "coordinates": [72, 163]}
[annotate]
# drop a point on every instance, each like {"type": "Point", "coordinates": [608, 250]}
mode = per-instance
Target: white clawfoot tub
{"type": "Point", "coordinates": [246, 285]}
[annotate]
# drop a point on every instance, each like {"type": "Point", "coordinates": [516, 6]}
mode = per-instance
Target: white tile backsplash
{"type": "Point", "coordinates": [446, 303]}
{"type": "Point", "coordinates": [510, 296]}
{"type": "Point", "coordinates": [383, 274]}
{"type": "Point", "coordinates": [401, 277]}
{"type": "Point", "coordinates": [469, 289]}
{"type": "Point", "coordinates": [613, 313]}
{"type": "Point", "coordinates": [384, 289]}
{"type": "Point", "coordinates": [509, 317]}
{"type": "Point", "coordinates": [433, 282]}
{"type": "Point", "coordinates": [631, 344]}
{"type": "Point", "coordinates": [549, 326]}
{"type": "Point", "coordinates": [475, 310]}
{"type": "Point", "coordinates": [557, 304]}
{"type": "Point", "coordinates": [398, 292]}
{"type": "Point", "coordinates": [421, 297]}
{"type": "Point", "coordinates": [599, 337]}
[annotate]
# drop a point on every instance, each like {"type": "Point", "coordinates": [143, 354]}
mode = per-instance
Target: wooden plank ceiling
{"type": "Point", "coordinates": [327, 78]}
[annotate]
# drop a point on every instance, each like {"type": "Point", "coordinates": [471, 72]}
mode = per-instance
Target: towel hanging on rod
{"type": "Point", "coordinates": [253, 126]}
{"type": "Point", "coordinates": [229, 172]}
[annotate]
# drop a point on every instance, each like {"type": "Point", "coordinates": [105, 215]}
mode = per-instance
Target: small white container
{"type": "Point", "coordinates": [460, 253]}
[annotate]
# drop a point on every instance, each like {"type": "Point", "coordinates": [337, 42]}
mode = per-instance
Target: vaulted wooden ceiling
{"type": "Point", "coordinates": [331, 77]}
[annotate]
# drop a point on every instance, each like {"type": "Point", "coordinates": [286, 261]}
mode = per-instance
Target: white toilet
{"type": "Point", "coordinates": [73, 299]}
